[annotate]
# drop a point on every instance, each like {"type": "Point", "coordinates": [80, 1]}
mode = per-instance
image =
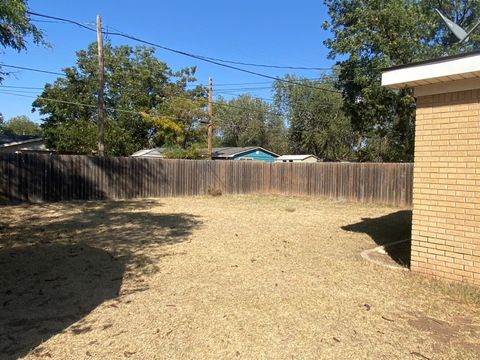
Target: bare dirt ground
{"type": "Point", "coordinates": [220, 277]}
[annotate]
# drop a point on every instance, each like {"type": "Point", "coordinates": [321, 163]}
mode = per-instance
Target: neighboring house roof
{"type": "Point", "coordinates": [21, 143]}
{"type": "Point", "coordinates": [11, 140]}
{"type": "Point", "coordinates": [155, 152]}
{"type": "Point", "coordinates": [296, 157]}
{"type": "Point", "coordinates": [221, 152]}
{"type": "Point", "coordinates": [230, 152]}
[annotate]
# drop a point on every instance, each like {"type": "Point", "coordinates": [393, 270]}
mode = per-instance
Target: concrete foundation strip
{"type": "Point", "coordinates": [382, 250]}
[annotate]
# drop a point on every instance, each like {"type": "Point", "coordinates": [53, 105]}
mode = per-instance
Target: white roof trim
{"type": "Point", "coordinates": [295, 157]}
{"type": "Point", "coordinates": [443, 71]}
{"type": "Point", "coordinates": [21, 142]}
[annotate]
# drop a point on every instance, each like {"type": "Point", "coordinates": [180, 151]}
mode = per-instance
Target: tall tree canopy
{"type": "Point", "coordinates": [22, 125]}
{"type": "Point", "coordinates": [369, 35]}
{"type": "Point", "coordinates": [249, 121]}
{"type": "Point", "coordinates": [317, 123]}
{"type": "Point", "coordinates": [2, 124]}
{"type": "Point", "coordinates": [16, 27]}
{"type": "Point", "coordinates": [141, 94]}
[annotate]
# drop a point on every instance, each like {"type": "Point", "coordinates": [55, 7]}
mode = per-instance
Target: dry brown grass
{"type": "Point", "coordinates": [225, 277]}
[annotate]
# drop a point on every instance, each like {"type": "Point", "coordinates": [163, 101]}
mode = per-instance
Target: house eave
{"type": "Point", "coordinates": [463, 68]}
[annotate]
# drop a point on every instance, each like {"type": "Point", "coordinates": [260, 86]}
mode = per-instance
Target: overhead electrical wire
{"type": "Point", "coordinates": [248, 95]}
{"type": "Point", "coordinates": [17, 93]}
{"type": "Point", "coordinates": [256, 83]}
{"type": "Point", "coordinates": [20, 91]}
{"type": "Point", "coordinates": [217, 103]}
{"type": "Point", "coordinates": [245, 89]}
{"type": "Point", "coordinates": [189, 85]}
{"type": "Point", "coordinates": [48, 21]}
{"type": "Point", "coordinates": [199, 57]}
{"type": "Point", "coordinates": [120, 33]}
{"type": "Point", "coordinates": [245, 83]}
{"type": "Point", "coordinates": [219, 62]}
{"type": "Point", "coordinates": [31, 69]}
{"type": "Point", "coordinates": [67, 102]}
{"type": "Point", "coordinates": [23, 92]}
{"type": "Point", "coordinates": [269, 66]}
{"type": "Point", "coordinates": [89, 105]}
{"type": "Point", "coordinates": [21, 87]}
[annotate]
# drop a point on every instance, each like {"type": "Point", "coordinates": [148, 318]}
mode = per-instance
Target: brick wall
{"type": "Point", "coordinates": [446, 192]}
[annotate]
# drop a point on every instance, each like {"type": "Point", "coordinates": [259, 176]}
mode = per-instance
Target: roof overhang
{"type": "Point", "coordinates": [22, 142]}
{"type": "Point", "coordinates": [442, 75]}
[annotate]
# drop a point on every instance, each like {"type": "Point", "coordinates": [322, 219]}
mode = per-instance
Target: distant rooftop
{"type": "Point", "coordinates": [10, 140]}
{"type": "Point", "coordinates": [220, 152]}
{"type": "Point", "coordinates": [296, 157]}
{"type": "Point", "coordinates": [228, 152]}
{"type": "Point", "coordinates": [155, 152]}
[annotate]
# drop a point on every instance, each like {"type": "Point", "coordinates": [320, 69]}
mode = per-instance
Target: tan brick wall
{"type": "Point", "coordinates": [446, 190]}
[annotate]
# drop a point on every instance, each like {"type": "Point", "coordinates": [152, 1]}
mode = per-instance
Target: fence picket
{"type": "Point", "coordinates": [40, 177]}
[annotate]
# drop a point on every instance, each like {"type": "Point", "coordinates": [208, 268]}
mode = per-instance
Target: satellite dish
{"type": "Point", "coordinates": [457, 30]}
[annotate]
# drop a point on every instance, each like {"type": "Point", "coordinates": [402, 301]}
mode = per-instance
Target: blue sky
{"type": "Point", "coordinates": [272, 32]}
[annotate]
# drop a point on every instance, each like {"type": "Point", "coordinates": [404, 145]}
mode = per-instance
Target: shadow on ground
{"type": "Point", "coordinates": [44, 289]}
{"type": "Point", "coordinates": [129, 230]}
{"type": "Point", "coordinates": [388, 229]}
{"type": "Point", "coordinates": [58, 262]}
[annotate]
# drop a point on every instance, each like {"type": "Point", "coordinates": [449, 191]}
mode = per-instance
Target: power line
{"type": "Point", "coordinates": [78, 103]}
{"type": "Point", "coordinates": [120, 33]}
{"type": "Point", "coordinates": [269, 66]}
{"type": "Point", "coordinates": [245, 83]}
{"type": "Point", "coordinates": [120, 110]}
{"type": "Point", "coordinates": [188, 85]}
{"type": "Point", "coordinates": [246, 89]}
{"type": "Point", "coordinates": [16, 93]}
{"type": "Point", "coordinates": [31, 69]}
{"type": "Point", "coordinates": [218, 103]}
{"type": "Point", "coordinates": [252, 83]}
{"type": "Point", "coordinates": [48, 21]}
{"type": "Point", "coordinates": [251, 96]}
{"type": "Point", "coordinates": [22, 91]}
{"type": "Point", "coordinates": [21, 87]}
{"type": "Point", "coordinates": [68, 102]}
{"type": "Point", "coordinates": [198, 57]}
{"type": "Point", "coordinates": [61, 21]}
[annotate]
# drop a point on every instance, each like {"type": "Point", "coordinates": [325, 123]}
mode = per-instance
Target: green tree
{"type": "Point", "coordinates": [22, 125]}
{"type": "Point", "coordinates": [16, 27]}
{"type": "Point", "coordinates": [135, 83]}
{"type": "Point", "coordinates": [178, 122]}
{"type": "Point", "coordinates": [2, 124]}
{"type": "Point", "coordinates": [369, 35]}
{"type": "Point", "coordinates": [317, 123]}
{"type": "Point", "coordinates": [249, 121]}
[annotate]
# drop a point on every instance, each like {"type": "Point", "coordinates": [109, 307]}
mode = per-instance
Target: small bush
{"type": "Point", "coordinates": [214, 192]}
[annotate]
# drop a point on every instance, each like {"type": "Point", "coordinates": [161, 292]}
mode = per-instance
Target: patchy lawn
{"type": "Point", "coordinates": [224, 277]}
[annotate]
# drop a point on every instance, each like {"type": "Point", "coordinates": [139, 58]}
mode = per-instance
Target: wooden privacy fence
{"type": "Point", "coordinates": [39, 177]}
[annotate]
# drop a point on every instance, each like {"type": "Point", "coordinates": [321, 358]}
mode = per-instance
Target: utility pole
{"type": "Point", "coordinates": [101, 84]}
{"type": "Point", "coordinates": [210, 118]}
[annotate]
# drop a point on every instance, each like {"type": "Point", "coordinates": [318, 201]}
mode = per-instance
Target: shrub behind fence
{"type": "Point", "coordinates": [39, 177]}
